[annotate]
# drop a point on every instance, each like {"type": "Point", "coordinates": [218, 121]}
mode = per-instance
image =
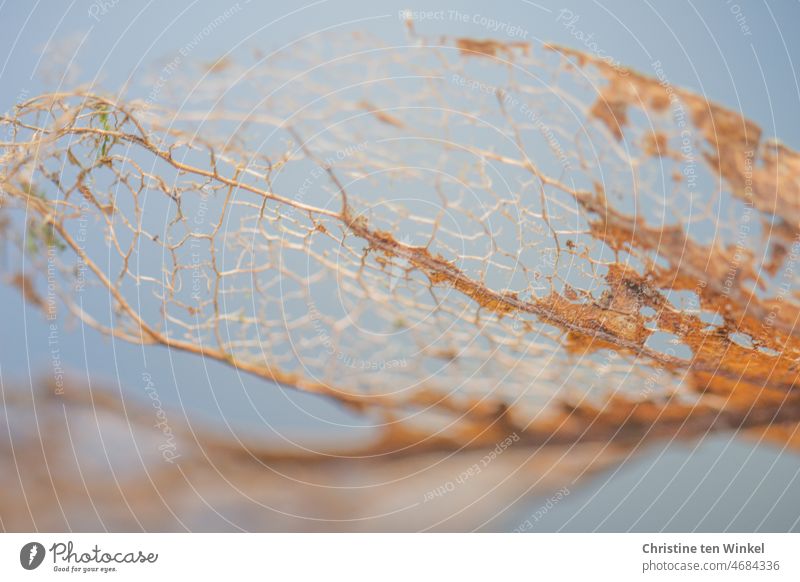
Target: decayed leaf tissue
{"type": "Point", "coordinates": [513, 265]}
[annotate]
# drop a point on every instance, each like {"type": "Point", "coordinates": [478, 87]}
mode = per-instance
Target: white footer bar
{"type": "Point", "coordinates": [406, 557]}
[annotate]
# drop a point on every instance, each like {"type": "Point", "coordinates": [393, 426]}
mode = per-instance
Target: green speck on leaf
{"type": "Point", "coordinates": [38, 235]}
{"type": "Point", "coordinates": [104, 122]}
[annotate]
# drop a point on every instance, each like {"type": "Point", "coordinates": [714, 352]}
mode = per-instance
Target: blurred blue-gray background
{"type": "Point", "coordinates": [740, 55]}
